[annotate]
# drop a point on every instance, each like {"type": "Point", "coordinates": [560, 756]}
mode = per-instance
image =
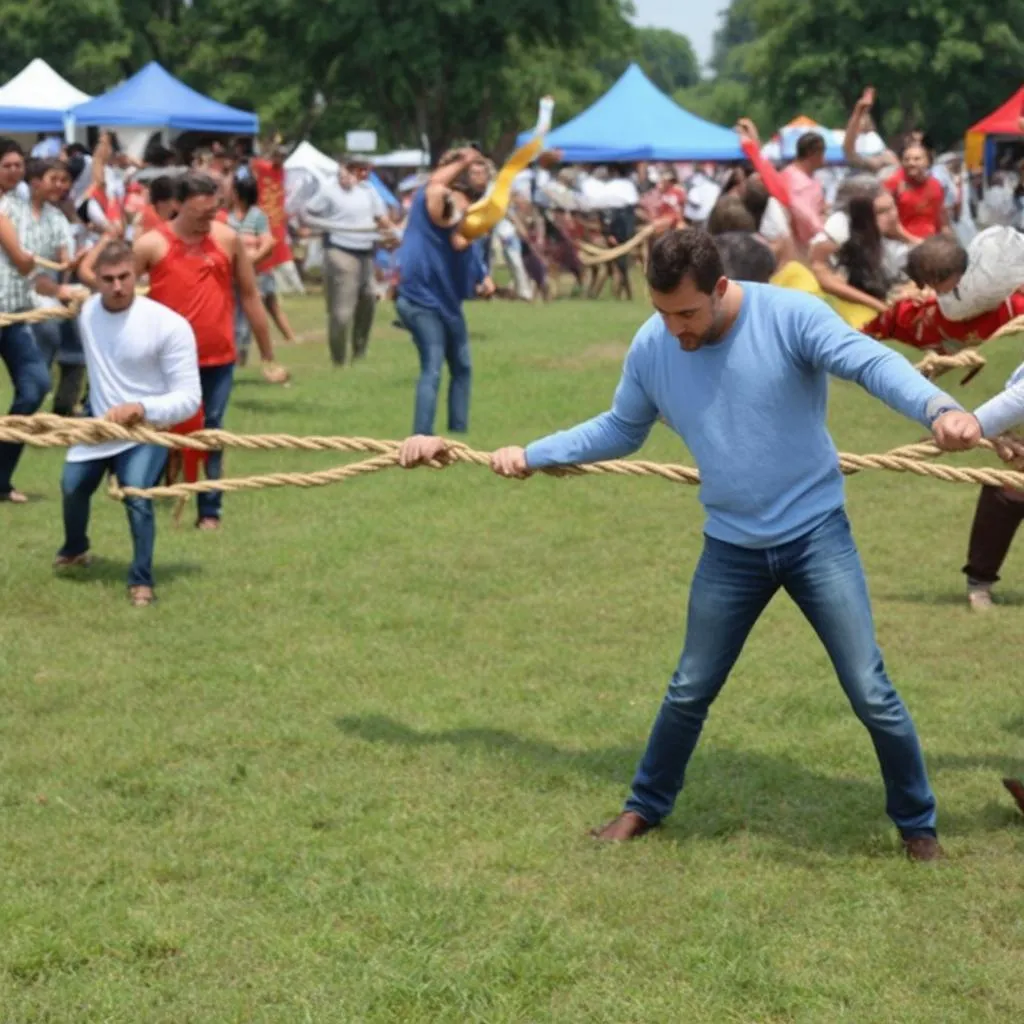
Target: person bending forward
{"type": "Point", "coordinates": [141, 358]}
{"type": "Point", "coordinates": [740, 372]}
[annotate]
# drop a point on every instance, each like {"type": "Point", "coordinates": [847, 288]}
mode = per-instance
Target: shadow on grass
{"type": "Point", "coordinates": [114, 572]}
{"type": "Point", "coordinates": [730, 792]}
{"type": "Point", "coordinates": [949, 598]}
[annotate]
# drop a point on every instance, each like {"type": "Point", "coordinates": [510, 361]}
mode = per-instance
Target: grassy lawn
{"type": "Point", "coordinates": [344, 769]}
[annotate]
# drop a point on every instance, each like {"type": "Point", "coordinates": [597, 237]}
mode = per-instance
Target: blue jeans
{"type": "Point", "coordinates": [215, 382]}
{"type": "Point", "coordinates": [31, 380]}
{"type": "Point", "coordinates": [140, 466]}
{"type": "Point", "coordinates": [439, 339]}
{"type": "Point", "coordinates": [822, 573]}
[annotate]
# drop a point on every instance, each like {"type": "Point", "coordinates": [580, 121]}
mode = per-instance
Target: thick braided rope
{"type": "Point", "coordinates": [37, 316]}
{"type": "Point", "coordinates": [935, 364]}
{"type": "Point", "coordinates": [594, 255]}
{"type": "Point", "coordinates": [54, 431]}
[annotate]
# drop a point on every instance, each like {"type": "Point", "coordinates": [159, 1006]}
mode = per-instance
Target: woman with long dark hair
{"type": "Point", "coordinates": [861, 257]}
{"type": "Point", "coordinates": [857, 259]}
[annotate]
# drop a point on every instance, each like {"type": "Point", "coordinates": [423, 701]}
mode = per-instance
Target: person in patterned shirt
{"type": "Point", "coordinates": [50, 236]}
{"type": "Point", "coordinates": [19, 279]}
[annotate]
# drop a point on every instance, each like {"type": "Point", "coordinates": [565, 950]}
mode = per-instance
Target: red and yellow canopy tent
{"type": "Point", "coordinates": [1002, 125]}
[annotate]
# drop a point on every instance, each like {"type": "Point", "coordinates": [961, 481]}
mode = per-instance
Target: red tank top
{"type": "Point", "coordinates": [197, 281]}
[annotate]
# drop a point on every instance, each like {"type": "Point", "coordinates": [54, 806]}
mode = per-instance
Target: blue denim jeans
{"type": "Point", "coordinates": [439, 339]}
{"type": "Point", "coordinates": [140, 466]}
{"type": "Point", "coordinates": [30, 379]}
{"type": "Point", "coordinates": [215, 382]}
{"type": "Point", "coordinates": [822, 573]}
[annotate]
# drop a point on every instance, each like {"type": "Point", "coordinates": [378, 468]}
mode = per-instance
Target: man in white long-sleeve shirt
{"type": "Point", "coordinates": [143, 367]}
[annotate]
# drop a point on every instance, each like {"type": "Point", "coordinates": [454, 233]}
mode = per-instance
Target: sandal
{"type": "Point", "coordinates": [15, 497]}
{"type": "Point", "coordinates": [141, 596]}
{"type": "Point", "coordinates": [208, 523]}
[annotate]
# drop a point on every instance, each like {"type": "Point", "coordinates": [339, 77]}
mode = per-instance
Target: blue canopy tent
{"type": "Point", "coordinates": [154, 97]}
{"type": "Point", "coordinates": [635, 120]}
{"type": "Point", "coordinates": [24, 119]}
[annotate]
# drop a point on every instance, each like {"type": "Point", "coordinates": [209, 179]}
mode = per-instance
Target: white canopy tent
{"type": "Point", "coordinates": [38, 99]}
{"type": "Point", "coordinates": [38, 87]}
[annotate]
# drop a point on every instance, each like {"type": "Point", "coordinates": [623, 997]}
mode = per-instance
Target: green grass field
{"type": "Point", "coordinates": [343, 771]}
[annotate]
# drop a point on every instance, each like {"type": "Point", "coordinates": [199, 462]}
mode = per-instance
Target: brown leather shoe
{"type": "Point", "coordinates": [628, 825]}
{"type": "Point", "coordinates": [923, 848]}
{"type": "Point", "coordinates": [1016, 788]}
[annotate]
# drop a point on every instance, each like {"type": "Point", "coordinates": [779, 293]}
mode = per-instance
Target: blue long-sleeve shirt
{"type": "Point", "coordinates": [752, 410]}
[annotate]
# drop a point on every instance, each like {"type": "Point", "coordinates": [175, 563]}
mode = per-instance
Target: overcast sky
{"type": "Point", "coordinates": [697, 19]}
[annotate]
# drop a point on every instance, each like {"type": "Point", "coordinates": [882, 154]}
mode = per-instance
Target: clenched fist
{"type": "Point", "coordinates": [421, 450]}
{"type": "Point", "coordinates": [511, 462]}
{"type": "Point", "coordinates": [956, 431]}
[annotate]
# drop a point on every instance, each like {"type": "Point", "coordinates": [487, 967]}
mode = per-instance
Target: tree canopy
{"type": "Point", "coordinates": [458, 70]}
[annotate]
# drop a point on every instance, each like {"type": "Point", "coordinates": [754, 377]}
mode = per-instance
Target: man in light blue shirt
{"type": "Point", "coordinates": [740, 372]}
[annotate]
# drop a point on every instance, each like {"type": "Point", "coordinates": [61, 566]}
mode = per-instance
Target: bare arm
{"type": "Point", "coordinates": [249, 296]}
{"type": "Point", "coordinates": [24, 262]}
{"type": "Point", "coordinates": [87, 268]}
{"type": "Point", "coordinates": [833, 283]}
{"type": "Point", "coordinates": [441, 181]}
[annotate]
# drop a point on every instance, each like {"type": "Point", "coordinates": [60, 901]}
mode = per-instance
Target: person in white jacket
{"type": "Point", "coordinates": [143, 367]}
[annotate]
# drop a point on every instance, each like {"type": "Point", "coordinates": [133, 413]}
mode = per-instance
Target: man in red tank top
{"type": "Point", "coordinates": [195, 265]}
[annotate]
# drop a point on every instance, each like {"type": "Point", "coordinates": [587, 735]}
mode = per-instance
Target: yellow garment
{"type": "Point", "coordinates": [797, 276]}
{"type": "Point", "coordinates": [484, 214]}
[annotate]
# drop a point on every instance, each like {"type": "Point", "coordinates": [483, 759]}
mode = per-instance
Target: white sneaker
{"type": "Point", "coordinates": [979, 597]}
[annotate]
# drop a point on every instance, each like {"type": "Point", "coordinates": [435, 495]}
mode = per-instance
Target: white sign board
{"type": "Point", "coordinates": [361, 142]}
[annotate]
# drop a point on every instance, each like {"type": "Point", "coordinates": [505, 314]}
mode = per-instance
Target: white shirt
{"type": "Point", "coordinates": [353, 215]}
{"type": "Point", "coordinates": [775, 221]}
{"type": "Point", "coordinates": [1006, 410]}
{"type": "Point", "coordinates": [146, 354]}
{"type": "Point", "coordinates": [620, 192]}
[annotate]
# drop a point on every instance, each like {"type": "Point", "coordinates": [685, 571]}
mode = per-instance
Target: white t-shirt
{"type": "Point", "coordinates": [145, 354]}
{"type": "Point", "coordinates": [354, 217]}
{"type": "Point", "coordinates": [775, 221]}
{"type": "Point", "coordinates": [837, 231]}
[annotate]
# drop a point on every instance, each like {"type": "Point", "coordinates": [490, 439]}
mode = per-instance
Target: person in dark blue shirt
{"type": "Point", "coordinates": [440, 269]}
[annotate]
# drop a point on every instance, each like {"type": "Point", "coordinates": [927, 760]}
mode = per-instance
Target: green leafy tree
{"type": "Point", "coordinates": [937, 64]}
{"type": "Point", "coordinates": [667, 58]}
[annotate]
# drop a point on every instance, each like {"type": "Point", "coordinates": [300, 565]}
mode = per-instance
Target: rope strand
{"type": "Point", "coordinates": [47, 431]}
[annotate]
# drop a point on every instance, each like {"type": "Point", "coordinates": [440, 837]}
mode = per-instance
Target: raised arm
{"type": "Point", "coordinates": [750, 143]}
{"type": "Point", "coordinates": [441, 181]}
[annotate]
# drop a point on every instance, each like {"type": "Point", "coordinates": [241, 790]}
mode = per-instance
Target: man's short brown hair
{"type": "Point", "coordinates": [114, 253]}
{"type": "Point", "coordinates": [936, 260]}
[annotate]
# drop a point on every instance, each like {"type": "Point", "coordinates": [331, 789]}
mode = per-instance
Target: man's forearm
{"type": "Point", "coordinates": [892, 379]}
{"type": "Point", "coordinates": [252, 306]}
{"type": "Point", "coordinates": [607, 436]}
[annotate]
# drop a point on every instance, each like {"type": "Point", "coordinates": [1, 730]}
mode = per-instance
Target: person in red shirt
{"type": "Point", "coordinates": [920, 200]}
{"type": "Point", "coordinates": [194, 265]}
{"type": "Point", "coordinates": [671, 200]}
{"type": "Point", "coordinates": [270, 180]}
